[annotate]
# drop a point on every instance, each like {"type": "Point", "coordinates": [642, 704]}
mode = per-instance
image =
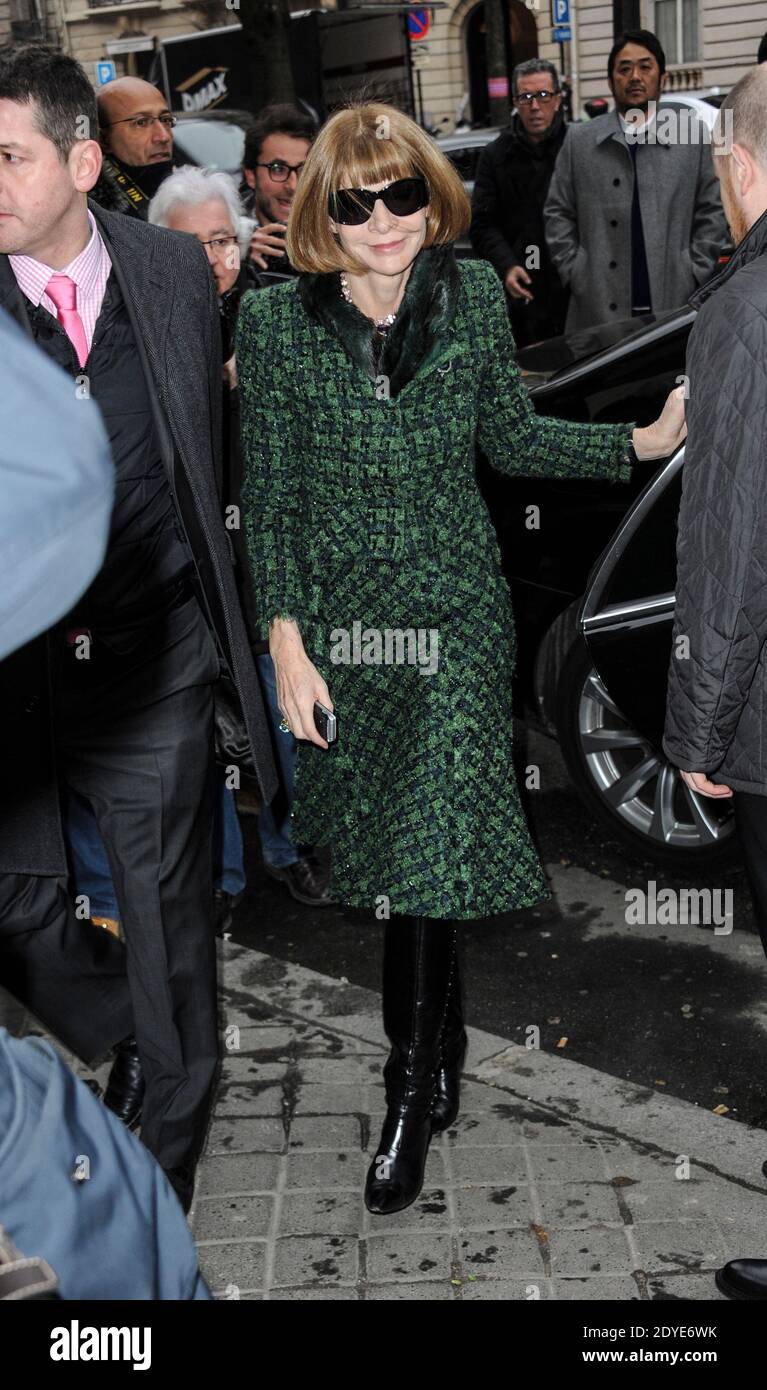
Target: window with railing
{"type": "Point", "coordinates": [676, 25]}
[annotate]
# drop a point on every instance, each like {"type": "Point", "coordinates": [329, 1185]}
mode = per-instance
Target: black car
{"type": "Point", "coordinates": [606, 552]}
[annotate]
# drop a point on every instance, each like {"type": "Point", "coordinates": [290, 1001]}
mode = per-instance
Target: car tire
{"type": "Point", "coordinates": [651, 814]}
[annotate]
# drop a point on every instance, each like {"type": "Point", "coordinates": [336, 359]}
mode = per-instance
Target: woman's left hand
{"type": "Point", "coordinates": [664, 435]}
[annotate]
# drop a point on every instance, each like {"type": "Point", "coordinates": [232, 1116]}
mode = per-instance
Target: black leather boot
{"type": "Point", "coordinates": [417, 956]}
{"type": "Point", "coordinates": [125, 1088]}
{"type": "Point", "coordinates": [453, 1045]}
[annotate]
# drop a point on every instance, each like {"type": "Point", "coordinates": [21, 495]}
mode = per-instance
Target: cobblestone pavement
{"type": "Point", "coordinates": [557, 1181]}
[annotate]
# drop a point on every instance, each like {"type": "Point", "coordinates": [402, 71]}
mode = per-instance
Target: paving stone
{"type": "Point", "coordinates": [530, 1290]}
{"type": "Point", "coordinates": [743, 1239]}
{"type": "Point", "coordinates": [222, 1175]}
{"type": "Point", "coordinates": [668, 1200]}
{"type": "Point", "coordinates": [600, 1250]}
{"type": "Point", "coordinates": [578, 1204]}
{"type": "Point", "coordinates": [476, 1128]}
{"type": "Point", "coordinates": [313, 1293]}
{"type": "Point", "coordinates": [567, 1163]}
{"type": "Point", "coordinates": [497, 1253]}
{"type": "Point", "coordinates": [315, 1099]}
{"type": "Point", "coordinates": [397, 1257]}
{"type": "Point", "coordinates": [340, 1071]}
{"type": "Point", "coordinates": [498, 1165]}
{"type": "Point", "coordinates": [272, 1041]}
{"type": "Point", "coordinates": [232, 1218]}
{"type": "Point", "coordinates": [430, 1211]}
{"type": "Point", "coordinates": [422, 1292]}
{"type": "Point", "coordinates": [244, 1068]}
{"type": "Point", "coordinates": [550, 1130]}
{"type": "Point", "coordinates": [241, 1264]}
{"type": "Point", "coordinates": [598, 1290]}
{"type": "Point", "coordinates": [344, 1169]}
{"type": "Point", "coordinates": [642, 1165]}
{"type": "Point", "coordinates": [325, 1213]}
{"type": "Point", "coordinates": [324, 1260]}
{"type": "Point", "coordinates": [246, 1101]}
{"type": "Point", "coordinates": [671, 1287]}
{"type": "Point", "coordinates": [482, 1207]}
{"type": "Point", "coordinates": [325, 1132]}
{"type": "Point", "coordinates": [246, 1136]}
{"type": "Point", "coordinates": [689, 1246]}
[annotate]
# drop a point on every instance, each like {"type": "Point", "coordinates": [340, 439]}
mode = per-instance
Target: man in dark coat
{"type": "Point", "coordinates": [136, 135]}
{"type": "Point", "coordinates": [716, 715]}
{"type": "Point", "coordinates": [276, 146]}
{"type": "Point", "coordinates": [116, 700]}
{"type": "Point", "coordinates": [512, 181]}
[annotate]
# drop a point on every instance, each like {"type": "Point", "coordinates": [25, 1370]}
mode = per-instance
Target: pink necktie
{"type": "Point", "coordinates": [63, 292]}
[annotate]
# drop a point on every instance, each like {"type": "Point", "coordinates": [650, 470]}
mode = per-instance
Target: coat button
{"type": "Point", "coordinates": [613, 306]}
{"type": "Point", "coordinates": [613, 265]}
{"type": "Point", "coordinates": [31, 703]}
{"type": "Point", "coordinates": [615, 183]}
{"type": "Point", "coordinates": [613, 221]}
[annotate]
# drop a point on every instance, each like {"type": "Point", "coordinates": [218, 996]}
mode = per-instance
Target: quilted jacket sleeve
{"type": "Point", "coordinates": [513, 438]}
{"type": "Point", "coordinates": [271, 493]}
{"type": "Point", "coordinates": [720, 620]}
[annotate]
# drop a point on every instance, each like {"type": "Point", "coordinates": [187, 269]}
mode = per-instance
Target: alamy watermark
{"type": "Point", "coordinates": [389, 646]}
{"type": "Point", "coordinates": [678, 125]}
{"type": "Point", "coordinates": [673, 907]}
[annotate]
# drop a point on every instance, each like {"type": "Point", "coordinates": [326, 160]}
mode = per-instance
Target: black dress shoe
{"type": "Point", "coordinates": [417, 956]}
{"type": "Point", "coordinates": [304, 882]}
{"type": "Point", "coordinates": [743, 1279]}
{"type": "Point", "coordinates": [224, 905]}
{"type": "Point", "coordinates": [124, 1094]}
{"type": "Point", "coordinates": [452, 1055]}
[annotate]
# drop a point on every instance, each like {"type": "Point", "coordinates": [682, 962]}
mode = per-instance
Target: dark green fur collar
{"type": "Point", "coordinates": [427, 309]}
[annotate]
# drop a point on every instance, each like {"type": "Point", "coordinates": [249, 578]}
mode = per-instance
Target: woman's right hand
{"type": "Point", "coordinates": [299, 683]}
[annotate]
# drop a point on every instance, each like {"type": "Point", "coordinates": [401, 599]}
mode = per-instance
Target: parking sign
{"type": "Point", "coordinates": [106, 71]}
{"type": "Point", "coordinates": [560, 11]}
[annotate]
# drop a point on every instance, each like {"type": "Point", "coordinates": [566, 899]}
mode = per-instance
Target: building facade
{"type": "Point", "coordinates": [708, 43]}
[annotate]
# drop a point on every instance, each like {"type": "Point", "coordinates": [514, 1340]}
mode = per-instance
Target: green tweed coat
{"type": "Point", "coordinates": [365, 524]}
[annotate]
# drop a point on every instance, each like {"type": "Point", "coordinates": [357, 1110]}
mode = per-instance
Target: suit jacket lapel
{"type": "Point", "coordinates": [148, 297]}
{"type": "Point", "coordinates": [13, 299]}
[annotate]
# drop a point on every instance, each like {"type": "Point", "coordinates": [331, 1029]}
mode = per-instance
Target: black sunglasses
{"type": "Point", "coordinates": [353, 206]}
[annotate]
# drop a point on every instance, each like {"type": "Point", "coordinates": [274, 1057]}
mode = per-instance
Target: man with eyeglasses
{"type": "Point", "coordinates": [634, 220]}
{"type": "Point", "coordinates": [276, 147]}
{"type": "Point", "coordinates": [136, 137]}
{"type": "Point", "coordinates": [512, 180]}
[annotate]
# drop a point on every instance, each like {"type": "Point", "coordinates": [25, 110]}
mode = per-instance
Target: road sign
{"type": "Point", "coordinates": [418, 23]}
{"type": "Point", "coordinates": [106, 71]}
{"type": "Point", "coordinates": [562, 34]}
{"type": "Point", "coordinates": [560, 11]}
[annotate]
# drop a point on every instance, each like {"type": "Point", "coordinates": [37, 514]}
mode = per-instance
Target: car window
{"type": "Point", "coordinates": [211, 144]}
{"type": "Point", "coordinates": [465, 161]}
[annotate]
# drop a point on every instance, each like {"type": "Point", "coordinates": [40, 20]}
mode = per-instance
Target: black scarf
{"type": "Point", "coordinates": [427, 310]}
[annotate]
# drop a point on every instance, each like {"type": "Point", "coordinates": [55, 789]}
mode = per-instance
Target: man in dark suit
{"type": "Point", "coordinates": [116, 701]}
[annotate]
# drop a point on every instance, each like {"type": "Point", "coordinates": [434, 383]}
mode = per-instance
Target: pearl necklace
{"type": "Point", "coordinates": [381, 324]}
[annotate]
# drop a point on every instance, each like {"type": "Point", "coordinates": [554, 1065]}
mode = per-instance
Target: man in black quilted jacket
{"type": "Point", "coordinates": [716, 716]}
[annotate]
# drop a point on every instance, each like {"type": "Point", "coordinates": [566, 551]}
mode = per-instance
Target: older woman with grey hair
{"type": "Point", "coordinates": [206, 203]}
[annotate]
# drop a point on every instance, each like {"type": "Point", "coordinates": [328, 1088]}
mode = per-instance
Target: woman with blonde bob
{"type": "Point", "coordinates": [367, 385]}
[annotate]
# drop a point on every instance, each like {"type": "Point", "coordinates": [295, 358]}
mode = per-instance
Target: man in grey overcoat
{"type": "Point", "coordinates": [633, 219]}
